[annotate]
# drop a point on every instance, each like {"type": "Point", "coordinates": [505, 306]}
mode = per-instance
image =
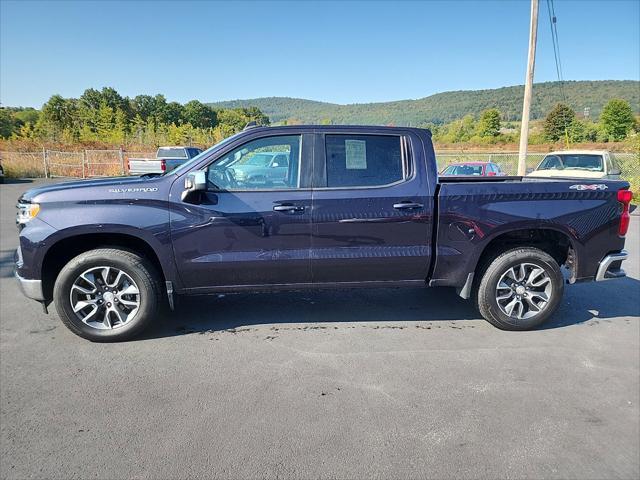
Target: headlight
{"type": "Point", "coordinates": [26, 212]}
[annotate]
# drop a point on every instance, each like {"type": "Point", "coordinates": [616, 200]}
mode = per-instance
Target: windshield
{"type": "Point", "coordinates": [187, 165]}
{"type": "Point", "coordinates": [592, 163]}
{"type": "Point", "coordinates": [172, 153]}
{"type": "Point", "coordinates": [259, 160]}
{"type": "Point", "coordinates": [463, 170]}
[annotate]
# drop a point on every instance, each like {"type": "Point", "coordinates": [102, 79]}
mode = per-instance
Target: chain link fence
{"type": "Point", "coordinates": [508, 162]}
{"type": "Point", "coordinates": [104, 163]}
{"type": "Point", "coordinates": [64, 164]}
{"type": "Point", "coordinates": [629, 164]}
{"type": "Point", "coordinates": [80, 164]}
{"type": "Point", "coordinates": [100, 163]}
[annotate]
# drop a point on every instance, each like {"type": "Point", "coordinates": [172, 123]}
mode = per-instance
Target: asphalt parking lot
{"type": "Point", "coordinates": [354, 384]}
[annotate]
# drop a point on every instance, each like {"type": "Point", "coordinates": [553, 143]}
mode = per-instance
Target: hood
{"type": "Point", "coordinates": [82, 187]}
{"type": "Point", "coordinates": [567, 172]}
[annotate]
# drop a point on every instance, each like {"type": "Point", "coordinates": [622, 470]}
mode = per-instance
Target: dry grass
{"type": "Point", "coordinates": [22, 164]}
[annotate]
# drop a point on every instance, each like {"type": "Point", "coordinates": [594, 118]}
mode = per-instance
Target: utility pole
{"type": "Point", "coordinates": [528, 87]}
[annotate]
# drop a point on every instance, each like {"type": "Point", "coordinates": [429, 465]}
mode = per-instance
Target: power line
{"type": "Point", "coordinates": [553, 24]}
{"type": "Point", "coordinates": [555, 29]}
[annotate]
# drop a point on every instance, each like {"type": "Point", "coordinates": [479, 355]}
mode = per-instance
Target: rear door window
{"type": "Point", "coordinates": [363, 160]}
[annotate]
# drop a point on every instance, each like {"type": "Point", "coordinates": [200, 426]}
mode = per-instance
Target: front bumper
{"type": "Point", "coordinates": [31, 288]}
{"type": "Point", "coordinates": [610, 266]}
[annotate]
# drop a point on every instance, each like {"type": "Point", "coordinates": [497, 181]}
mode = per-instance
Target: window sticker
{"type": "Point", "coordinates": [356, 153]}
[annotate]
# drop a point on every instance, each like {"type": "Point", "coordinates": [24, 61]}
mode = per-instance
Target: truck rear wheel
{"type": "Point", "coordinates": [520, 289]}
{"type": "Point", "coordinates": [107, 294]}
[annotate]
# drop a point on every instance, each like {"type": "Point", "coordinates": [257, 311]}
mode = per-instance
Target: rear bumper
{"type": "Point", "coordinates": [610, 266]}
{"type": "Point", "coordinates": [31, 288]}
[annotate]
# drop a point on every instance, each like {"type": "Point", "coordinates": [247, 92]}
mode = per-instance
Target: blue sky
{"type": "Point", "coordinates": [343, 52]}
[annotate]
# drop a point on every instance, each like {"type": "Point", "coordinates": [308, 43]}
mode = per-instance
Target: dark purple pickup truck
{"type": "Point", "coordinates": [358, 207]}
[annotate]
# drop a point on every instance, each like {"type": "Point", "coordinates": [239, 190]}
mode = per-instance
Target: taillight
{"type": "Point", "coordinates": [163, 165]}
{"type": "Point", "coordinates": [624, 197]}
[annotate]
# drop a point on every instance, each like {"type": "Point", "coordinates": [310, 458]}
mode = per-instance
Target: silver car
{"type": "Point", "coordinates": [262, 168]}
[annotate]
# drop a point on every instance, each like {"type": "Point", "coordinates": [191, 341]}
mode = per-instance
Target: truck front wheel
{"type": "Point", "coordinates": [520, 289]}
{"type": "Point", "coordinates": [107, 294]}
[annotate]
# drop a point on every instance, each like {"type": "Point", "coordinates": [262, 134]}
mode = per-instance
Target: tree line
{"type": "Point", "coordinates": [108, 117]}
{"type": "Point", "coordinates": [616, 123]}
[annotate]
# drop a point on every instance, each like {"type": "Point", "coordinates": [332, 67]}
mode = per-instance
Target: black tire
{"type": "Point", "coordinates": [486, 288]}
{"type": "Point", "coordinates": [138, 268]}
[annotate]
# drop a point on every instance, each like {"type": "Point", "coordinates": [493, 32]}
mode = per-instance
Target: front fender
{"type": "Point", "coordinates": [37, 243]}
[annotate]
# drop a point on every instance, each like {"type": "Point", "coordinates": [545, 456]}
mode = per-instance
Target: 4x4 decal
{"type": "Point", "coordinates": [594, 186]}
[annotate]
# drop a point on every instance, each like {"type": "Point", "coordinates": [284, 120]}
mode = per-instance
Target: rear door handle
{"type": "Point", "coordinates": [407, 205]}
{"type": "Point", "coordinates": [288, 208]}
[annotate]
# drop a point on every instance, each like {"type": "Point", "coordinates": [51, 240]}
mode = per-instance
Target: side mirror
{"type": "Point", "coordinates": [194, 182]}
{"type": "Point", "coordinates": [615, 171]}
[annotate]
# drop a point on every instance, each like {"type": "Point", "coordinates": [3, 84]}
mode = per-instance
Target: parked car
{"type": "Point", "coordinates": [488, 169]}
{"type": "Point", "coordinates": [358, 207]}
{"type": "Point", "coordinates": [167, 158]}
{"type": "Point", "coordinates": [1, 174]}
{"type": "Point", "coordinates": [593, 164]}
{"type": "Point", "coordinates": [259, 168]}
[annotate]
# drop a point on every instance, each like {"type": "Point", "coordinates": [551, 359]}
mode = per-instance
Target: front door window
{"type": "Point", "coordinates": [271, 163]}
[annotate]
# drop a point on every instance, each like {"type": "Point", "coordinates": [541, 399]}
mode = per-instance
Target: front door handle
{"type": "Point", "coordinates": [288, 208]}
{"type": "Point", "coordinates": [407, 205]}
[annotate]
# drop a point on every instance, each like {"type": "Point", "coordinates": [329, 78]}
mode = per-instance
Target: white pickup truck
{"type": "Point", "coordinates": [167, 158]}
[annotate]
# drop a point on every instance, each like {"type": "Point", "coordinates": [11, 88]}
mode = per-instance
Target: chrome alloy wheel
{"type": "Point", "coordinates": [105, 297]}
{"type": "Point", "coordinates": [524, 291]}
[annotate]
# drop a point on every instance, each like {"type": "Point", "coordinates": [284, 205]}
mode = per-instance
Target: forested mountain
{"type": "Point", "coordinates": [448, 106]}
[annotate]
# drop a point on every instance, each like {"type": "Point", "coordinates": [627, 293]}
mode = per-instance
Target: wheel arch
{"type": "Point", "coordinates": [556, 242]}
{"type": "Point", "coordinates": [65, 249]}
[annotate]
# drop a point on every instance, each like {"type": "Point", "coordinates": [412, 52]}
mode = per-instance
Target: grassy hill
{"type": "Point", "coordinates": [448, 106]}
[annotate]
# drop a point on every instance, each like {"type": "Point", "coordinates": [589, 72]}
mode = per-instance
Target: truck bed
{"type": "Point", "coordinates": [473, 211]}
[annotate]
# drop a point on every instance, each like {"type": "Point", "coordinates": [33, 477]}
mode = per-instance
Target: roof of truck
{"type": "Point", "coordinates": [346, 128]}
